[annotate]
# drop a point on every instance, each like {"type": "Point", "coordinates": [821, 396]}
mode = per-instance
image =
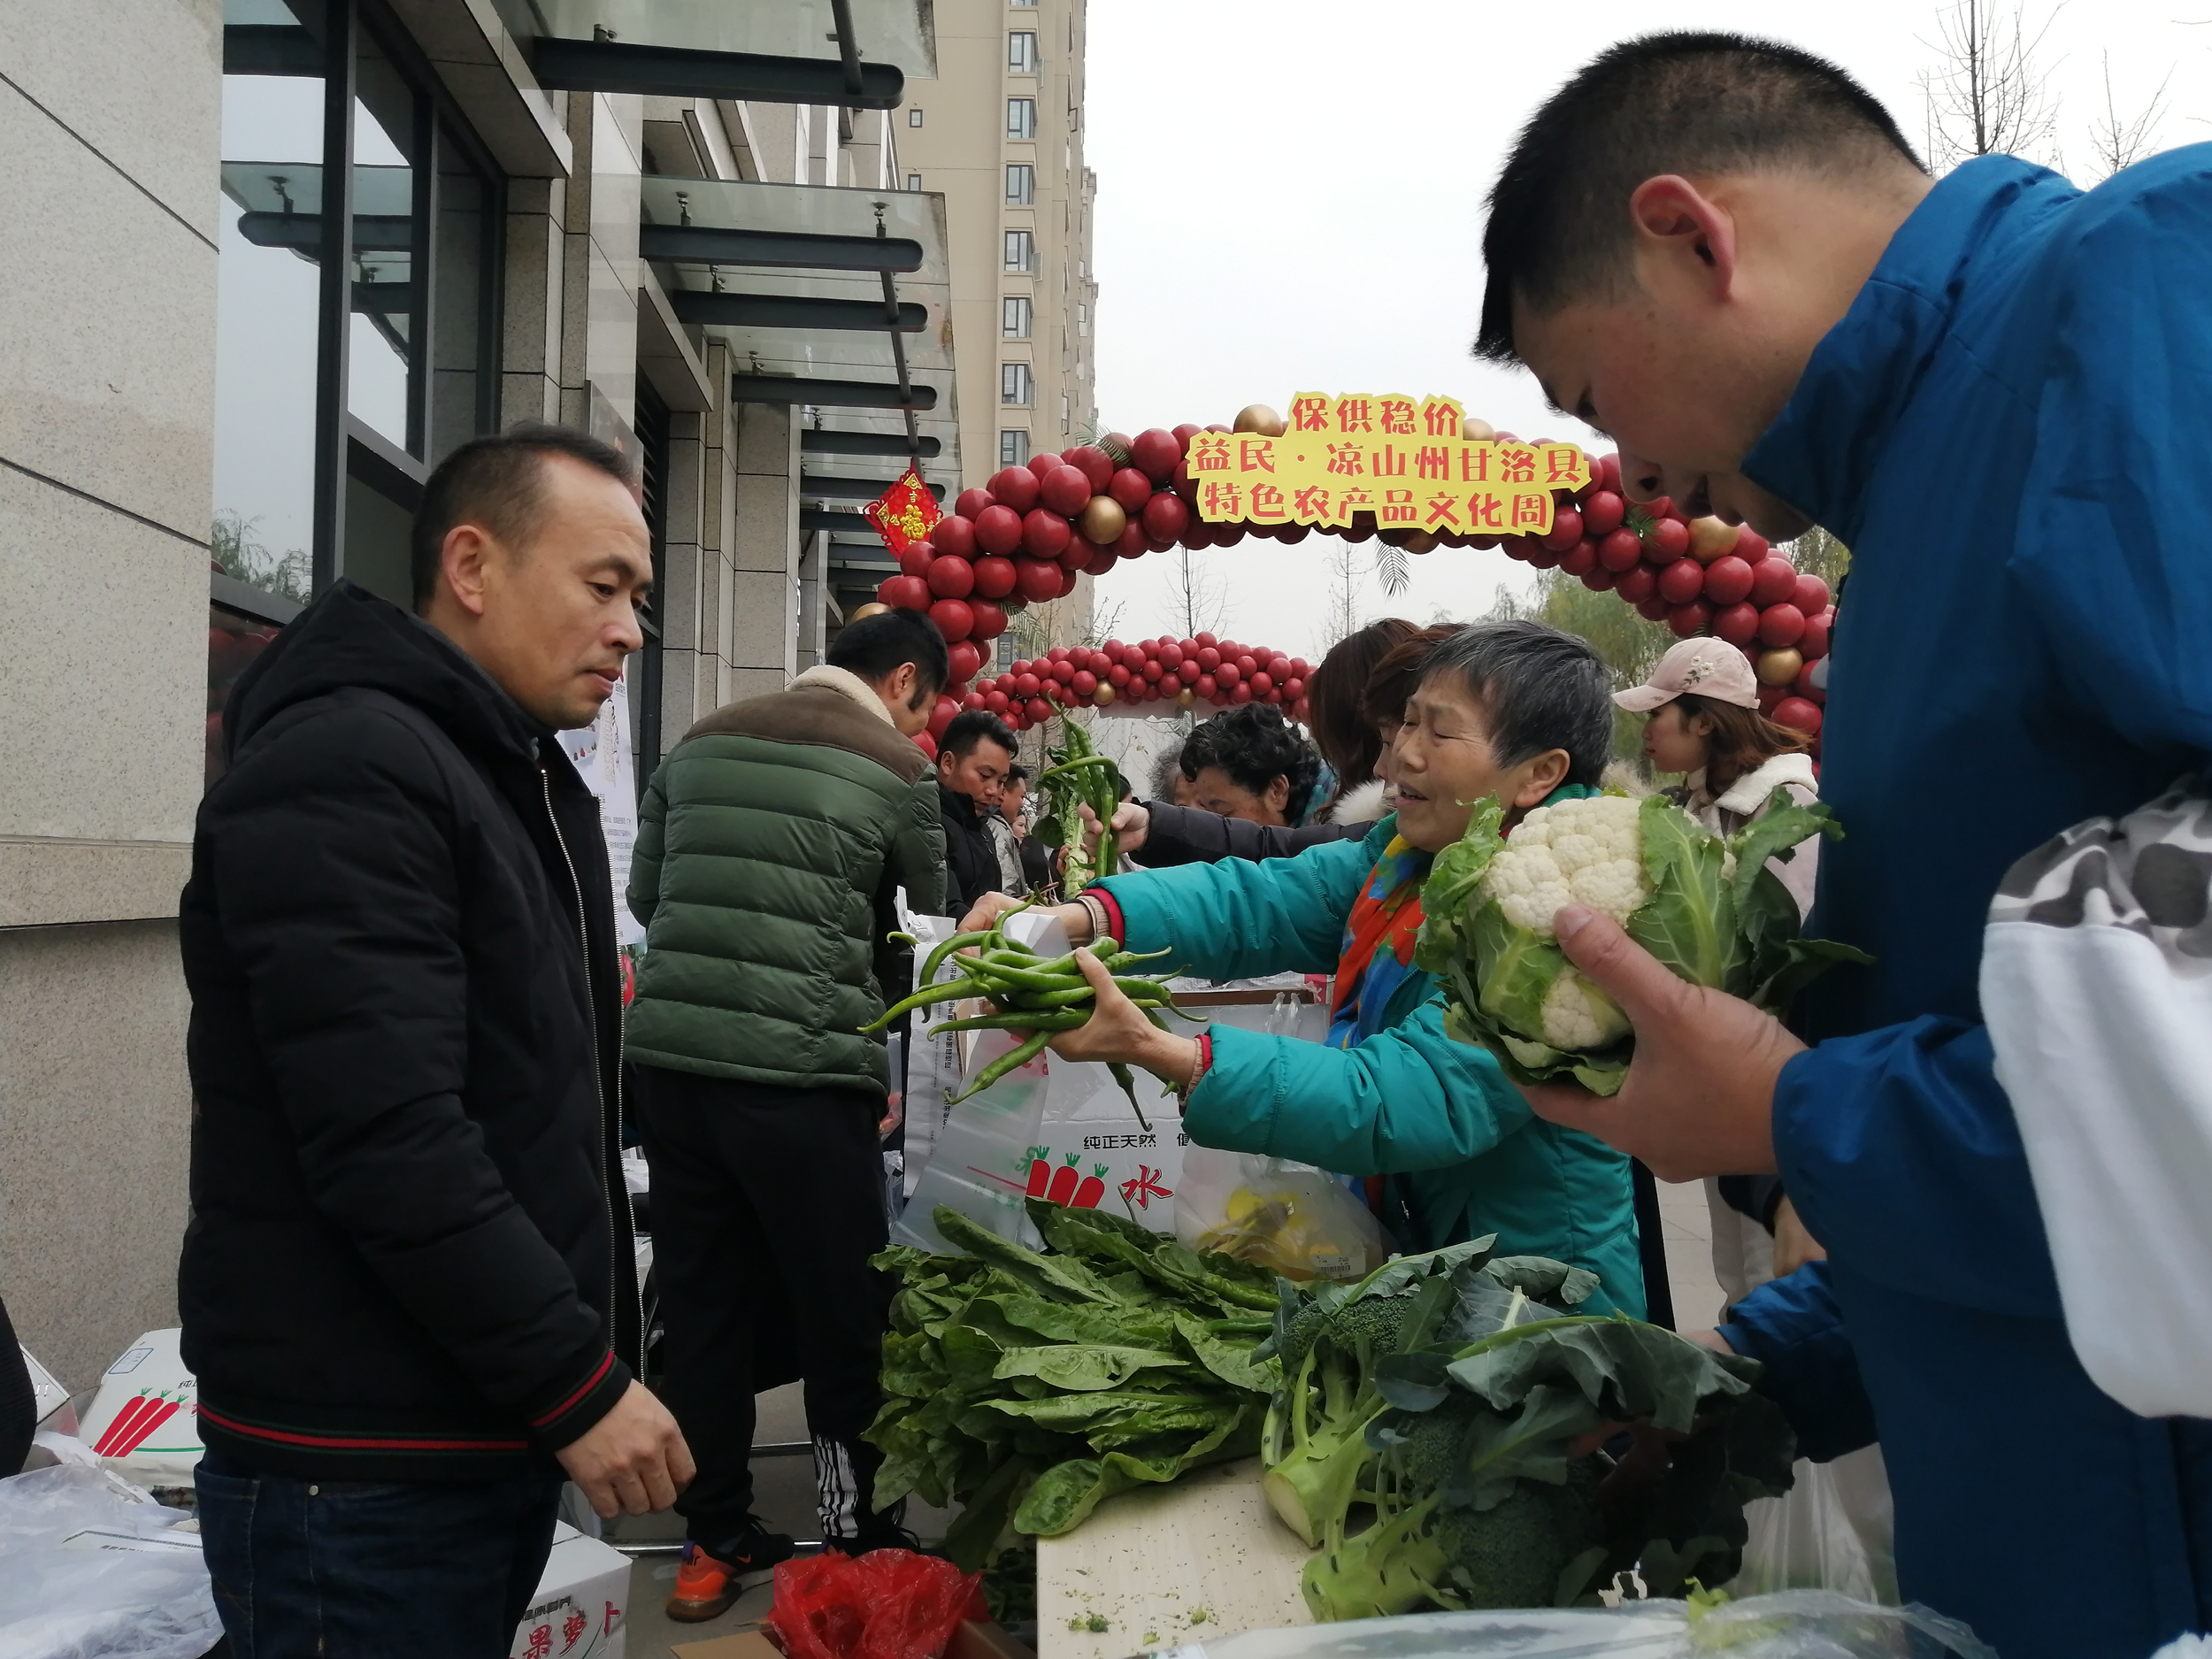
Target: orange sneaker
{"type": "Point", "coordinates": [708, 1587]}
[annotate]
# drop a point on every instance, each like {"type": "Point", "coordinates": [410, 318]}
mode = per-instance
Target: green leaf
{"type": "Point", "coordinates": [1531, 1444]}
{"type": "Point", "coordinates": [1689, 921]}
{"type": "Point", "coordinates": [1452, 889]}
{"type": "Point", "coordinates": [1047, 831]}
{"type": "Point", "coordinates": [1083, 1369]}
{"type": "Point", "coordinates": [972, 1537]}
{"type": "Point", "coordinates": [1235, 1363]}
{"type": "Point", "coordinates": [1071, 1412]}
{"type": "Point", "coordinates": [1626, 1369]}
{"type": "Point", "coordinates": [1054, 1277]}
{"type": "Point", "coordinates": [1782, 823]}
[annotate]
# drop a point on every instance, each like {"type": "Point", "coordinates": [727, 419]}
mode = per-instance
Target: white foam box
{"type": "Point", "coordinates": [50, 1399]}
{"type": "Point", "coordinates": [578, 1610]}
{"type": "Point", "coordinates": [144, 1420]}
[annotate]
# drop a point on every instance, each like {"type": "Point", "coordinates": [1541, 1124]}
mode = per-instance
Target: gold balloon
{"type": "Point", "coordinates": [1102, 520]}
{"type": "Point", "coordinates": [1779, 668]}
{"type": "Point", "coordinates": [1419, 541]}
{"type": "Point", "coordinates": [1260, 419]}
{"type": "Point", "coordinates": [1711, 539]}
{"type": "Point", "coordinates": [873, 608]}
{"type": "Point", "coordinates": [1475, 431]}
{"type": "Point", "coordinates": [1103, 695]}
{"type": "Point", "coordinates": [1186, 697]}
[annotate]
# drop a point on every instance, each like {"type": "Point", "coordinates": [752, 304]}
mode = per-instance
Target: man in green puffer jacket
{"type": "Point", "coordinates": [770, 846]}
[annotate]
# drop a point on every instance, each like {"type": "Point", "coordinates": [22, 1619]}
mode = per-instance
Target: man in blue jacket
{"type": "Point", "coordinates": [1997, 391]}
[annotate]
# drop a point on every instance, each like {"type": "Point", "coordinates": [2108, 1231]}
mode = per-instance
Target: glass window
{"type": "Point", "coordinates": [1015, 318]}
{"type": "Point", "coordinates": [382, 372]}
{"type": "Point", "coordinates": [266, 294]}
{"type": "Point", "coordinates": [1021, 51]}
{"type": "Point", "coordinates": [1021, 250]}
{"type": "Point", "coordinates": [1082, 320]}
{"type": "Point", "coordinates": [1013, 448]}
{"type": "Point", "coordinates": [1021, 184]}
{"type": "Point", "coordinates": [1021, 118]}
{"type": "Point", "coordinates": [1063, 411]}
{"type": "Point", "coordinates": [1014, 384]}
{"type": "Point", "coordinates": [914, 116]}
{"type": "Point", "coordinates": [913, 181]}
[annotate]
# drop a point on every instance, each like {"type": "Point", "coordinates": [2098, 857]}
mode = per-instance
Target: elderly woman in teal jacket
{"type": "Point", "coordinates": [1515, 710]}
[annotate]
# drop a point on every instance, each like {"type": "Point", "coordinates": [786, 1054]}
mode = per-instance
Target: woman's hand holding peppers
{"type": "Point", "coordinates": [1118, 1033]}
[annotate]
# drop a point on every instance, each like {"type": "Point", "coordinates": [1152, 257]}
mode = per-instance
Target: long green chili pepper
{"type": "Point", "coordinates": [958, 941]}
{"type": "Point", "coordinates": [950, 991]}
{"type": "Point", "coordinates": [1011, 1061]}
{"type": "Point", "coordinates": [1129, 1088]}
{"type": "Point", "coordinates": [1049, 1020]}
{"type": "Point", "coordinates": [1081, 763]}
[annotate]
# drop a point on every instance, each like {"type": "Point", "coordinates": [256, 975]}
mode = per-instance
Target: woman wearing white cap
{"type": "Point", "coordinates": [1703, 703]}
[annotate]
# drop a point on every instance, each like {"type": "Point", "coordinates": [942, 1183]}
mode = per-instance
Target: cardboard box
{"type": "Point", "coordinates": [578, 1610]}
{"type": "Point", "coordinates": [50, 1399]}
{"type": "Point", "coordinates": [745, 1644]}
{"type": "Point", "coordinates": [145, 1421]}
{"type": "Point", "coordinates": [986, 1639]}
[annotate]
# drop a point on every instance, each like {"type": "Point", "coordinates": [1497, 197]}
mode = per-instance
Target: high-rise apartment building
{"type": "Point", "coordinates": [998, 134]}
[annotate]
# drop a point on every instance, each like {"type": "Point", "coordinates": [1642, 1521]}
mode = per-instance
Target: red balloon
{"type": "Point", "coordinates": [1620, 550]}
{"type": "Point", "coordinates": [1094, 463]}
{"type": "Point", "coordinates": [1751, 547]}
{"type": "Point", "coordinates": [1637, 585]}
{"type": "Point", "coordinates": [965, 658]}
{"type": "Point", "coordinates": [1005, 682]}
{"type": "Point", "coordinates": [995, 700]}
{"type": "Point", "coordinates": [1681, 581]}
{"type": "Point", "coordinates": [1566, 530]}
{"type": "Point", "coordinates": [1036, 580]}
{"type": "Point", "coordinates": [914, 560]}
{"type": "Point", "coordinates": [1172, 685]}
{"type": "Point", "coordinates": [927, 744]}
{"type": "Point", "coordinates": [1810, 595]}
{"type": "Point", "coordinates": [904, 592]}
{"type": "Point", "coordinates": [970, 504]}
{"type": "Point", "coordinates": [951, 578]}
{"type": "Point", "coordinates": [1781, 625]}
{"type": "Point", "coordinates": [954, 535]}
{"type": "Point", "coordinates": [1655, 608]}
{"type": "Point", "coordinates": [1188, 430]}
{"type": "Point", "coordinates": [1294, 687]}
{"type": "Point", "coordinates": [1773, 580]}
{"type": "Point", "coordinates": [1770, 699]}
{"type": "Point", "coordinates": [955, 619]}
{"type": "Point", "coordinates": [1130, 488]}
{"type": "Point", "coordinates": [1045, 533]}
{"type": "Point", "coordinates": [1131, 543]}
{"type": "Point", "coordinates": [1155, 454]}
{"type": "Point", "coordinates": [1602, 512]}
{"type": "Point", "coordinates": [1025, 681]}
{"type": "Point", "coordinates": [1813, 644]}
{"type": "Point", "coordinates": [1240, 693]}
{"type": "Point", "coordinates": [1262, 682]}
{"type": "Point", "coordinates": [1066, 490]}
{"type": "Point", "coordinates": [1063, 671]}
{"type": "Point", "coordinates": [1608, 472]}
{"type": "Point", "coordinates": [990, 619]}
{"type": "Point", "coordinates": [1015, 486]}
{"type": "Point", "coordinates": [993, 576]}
{"type": "Point", "coordinates": [1038, 710]}
{"type": "Point", "coordinates": [1103, 561]}
{"type": "Point", "coordinates": [1581, 559]}
{"type": "Point", "coordinates": [1689, 619]}
{"type": "Point", "coordinates": [1728, 582]}
{"type": "Point", "coordinates": [1227, 675]}
{"type": "Point", "coordinates": [1208, 654]}
{"type": "Point", "coordinates": [1668, 538]}
{"type": "Point", "coordinates": [998, 529]}
{"type": "Point", "coordinates": [1738, 624]}
{"type": "Point", "coordinates": [1068, 577]}
{"type": "Point", "coordinates": [1207, 688]}
{"type": "Point", "coordinates": [1042, 463]}
{"type": "Point", "coordinates": [1118, 675]}
{"type": "Point", "coordinates": [1600, 580]}
{"type": "Point", "coordinates": [1164, 518]}
{"type": "Point", "coordinates": [1797, 713]}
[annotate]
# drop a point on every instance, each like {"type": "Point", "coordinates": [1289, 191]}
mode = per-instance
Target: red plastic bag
{"type": "Point", "coordinates": [887, 1604]}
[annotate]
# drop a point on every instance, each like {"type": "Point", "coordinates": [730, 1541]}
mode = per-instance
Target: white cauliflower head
{"type": "Point", "coordinates": [1576, 1015]}
{"type": "Point", "coordinates": [1578, 852]}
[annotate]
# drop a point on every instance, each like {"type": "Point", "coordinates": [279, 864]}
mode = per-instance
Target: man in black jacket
{"type": "Point", "coordinates": [408, 1287]}
{"type": "Point", "coordinates": [974, 757]}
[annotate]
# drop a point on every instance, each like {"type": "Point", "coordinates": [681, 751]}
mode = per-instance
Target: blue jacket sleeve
{"type": "Point", "coordinates": [1238, 919]}
{"type": "Point", "coordinates": [1793, 1327]}
{"type": "Point", "coordinates": [1409, 1098]}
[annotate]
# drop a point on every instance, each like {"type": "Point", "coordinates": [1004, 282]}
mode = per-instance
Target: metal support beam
{"type": "Point", "coordinates": [812, 443]}
{"type": "Point", "coordinates": [271, 48]}
{"type": "Point", "coordinates": [828, 487]}
{"type": "Point", "coordinates": [702, 244]}
{"type": "Point", "coordinates": [792, 311]}
{"type": "Point", "coordinates": [791, 388]}
{"type": "Point", "coordinates": [672, 72]}
{"type": "Point", "coordinates": [813, 519]}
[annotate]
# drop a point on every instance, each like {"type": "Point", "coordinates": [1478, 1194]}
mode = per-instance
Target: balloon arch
{"type": "Point", "coordinates": [1026, 534]}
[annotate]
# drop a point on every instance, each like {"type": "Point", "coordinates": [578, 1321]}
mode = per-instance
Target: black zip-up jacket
{"type": "Point", "coordinates": [971, 867]}
{"type": "Point", "coordinates": [409, 1254]}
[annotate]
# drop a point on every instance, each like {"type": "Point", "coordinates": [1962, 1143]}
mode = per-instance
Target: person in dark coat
{"type": "Point", "coordinates": [973, 759]}
{"type": "Point", "coordinates": [408, 1287]}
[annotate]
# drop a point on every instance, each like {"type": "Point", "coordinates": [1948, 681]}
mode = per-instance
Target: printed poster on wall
{"type": "Point", "coordinates": [604, 757]}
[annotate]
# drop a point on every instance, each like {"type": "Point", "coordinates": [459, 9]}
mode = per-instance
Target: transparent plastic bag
{"type": "Point", "coordinates": [1801, 1624]}
{"type": "Point", "coordinates": [92, 1567]}
{"type": "Point", "coordinates": [1291, 1218]}
{"type": "Point", "coordinates": [1835, 1529]}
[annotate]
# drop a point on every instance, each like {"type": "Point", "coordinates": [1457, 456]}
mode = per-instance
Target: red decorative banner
{"type": "Point", "coordinates": [905, 513]}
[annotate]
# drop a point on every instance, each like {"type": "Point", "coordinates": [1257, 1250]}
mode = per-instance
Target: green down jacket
{"type": "Point", "coordinates": [769, 846]}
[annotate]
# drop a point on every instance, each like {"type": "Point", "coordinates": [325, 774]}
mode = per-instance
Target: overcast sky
{"type": "Point", "coordinates": [1289, 194]}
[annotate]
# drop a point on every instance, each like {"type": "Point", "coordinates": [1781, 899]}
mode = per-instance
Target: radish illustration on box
{"type": "Point", "coordinates": [144, 1420]}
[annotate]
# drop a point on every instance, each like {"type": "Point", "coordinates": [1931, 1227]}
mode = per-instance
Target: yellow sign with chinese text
{"type": "Point", "coordinates": [1403, 461]}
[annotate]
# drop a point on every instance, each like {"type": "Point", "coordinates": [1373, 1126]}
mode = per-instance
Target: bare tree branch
{"type": "Point", "coordinates": [2117, 143]}
{"type": "Point", "coordinates": [1346, 583]}
{"type": "Point", "coordinates": [1197, 597]}
{"type": "Point", "coordinates": [1987, 94]}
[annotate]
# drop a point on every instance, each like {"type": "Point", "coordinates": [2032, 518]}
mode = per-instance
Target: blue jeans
{"type": "Point", "coordinates": [368, 1570]}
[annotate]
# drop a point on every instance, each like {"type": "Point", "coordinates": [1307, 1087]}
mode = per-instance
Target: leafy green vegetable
{"type": "Point", "coordinates": [1028, 1385]}
{"type": "Point", "coordinates": [1708, 908]}
{"type": "Point", "coordinates": [1443, 1439]}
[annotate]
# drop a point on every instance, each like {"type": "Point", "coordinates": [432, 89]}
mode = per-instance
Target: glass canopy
{"type": "Point", "coordinates": [895, 32]}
